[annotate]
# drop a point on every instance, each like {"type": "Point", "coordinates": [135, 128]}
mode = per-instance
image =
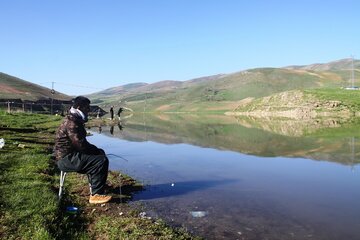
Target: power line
{"type": "Point", "coordinates": [76, 85]}
{"type": "Point", "coordinates": [69, 84]}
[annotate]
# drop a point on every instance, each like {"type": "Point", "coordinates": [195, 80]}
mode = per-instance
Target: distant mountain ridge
{"type": "Point", "coordinates": [222, 92]}
{"type": "Point", "coordinates": [121, 89]}
{"type": "Point", "coordinates": [342, 64]}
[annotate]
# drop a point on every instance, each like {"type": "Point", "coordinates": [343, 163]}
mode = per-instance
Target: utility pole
{"type": "Point", "coordinates": [352, 71]}
{"type": "Point", "coordinates": [52, 96]}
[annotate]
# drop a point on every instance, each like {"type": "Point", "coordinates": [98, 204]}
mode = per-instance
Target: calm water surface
{"type": "Point", "coordinates": [223, 179]}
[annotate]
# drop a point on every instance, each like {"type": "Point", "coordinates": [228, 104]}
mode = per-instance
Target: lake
{"type": "Point", "coordinates": [238, 178]}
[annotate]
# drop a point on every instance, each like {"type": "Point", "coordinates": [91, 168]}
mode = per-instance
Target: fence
{"type": "Point", "coordinates": [34, 107]}
{"type": "Point", "coordinates": [61, 108]}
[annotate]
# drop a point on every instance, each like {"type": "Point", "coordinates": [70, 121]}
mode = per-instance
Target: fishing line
{"type": "Point", "coordinates": [120, 185]}
{"type": "Point", "coordinates": [120, 177]}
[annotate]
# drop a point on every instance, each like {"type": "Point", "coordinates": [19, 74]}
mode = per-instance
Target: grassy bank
{"type": "Point", "coordinates": [348, 98]}
{"type": "Point", "coordinates": [29, 207]}
{"type": "Point", "coordinates": [319, 103]}
{"type": "Point", "coordinates": [25, 177]}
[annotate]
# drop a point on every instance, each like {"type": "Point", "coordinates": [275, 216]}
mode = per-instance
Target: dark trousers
{"type": "Point", "coordinates": [96, 166]}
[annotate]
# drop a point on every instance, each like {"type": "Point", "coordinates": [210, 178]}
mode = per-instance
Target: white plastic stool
{"type": "Point", "coordinates": [62, 180]}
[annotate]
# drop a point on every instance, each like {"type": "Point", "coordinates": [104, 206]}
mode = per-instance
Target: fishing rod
{"type": "Point", "coordinates": [117, 156]}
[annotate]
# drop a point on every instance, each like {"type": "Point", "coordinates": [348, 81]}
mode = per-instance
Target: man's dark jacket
{"type": "Point", "coordinates": [71, 138]}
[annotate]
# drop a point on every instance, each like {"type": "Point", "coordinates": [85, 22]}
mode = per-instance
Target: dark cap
{"type": "Point", "coordinates": [80, 101]}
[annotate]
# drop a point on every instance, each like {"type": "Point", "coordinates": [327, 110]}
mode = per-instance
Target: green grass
{"type": "Point", "coordinates": [24, 214]}
{"type": "Point", "coordinates": [349, 98]}
{"type": "Point", "coordinates": [29, 206]}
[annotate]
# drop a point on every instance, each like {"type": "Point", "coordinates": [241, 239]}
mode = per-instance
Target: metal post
{"type": "Point", "coordinates": [352, 71]}
{"type": "Point", "coordinates": [52, 96]}
{"type": "Point", "coordinates": [51, 108]}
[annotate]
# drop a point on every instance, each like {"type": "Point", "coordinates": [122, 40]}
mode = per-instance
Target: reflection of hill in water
{"type": "Point", "coordinates": [267, 138]}
{"type": "Point", "coordinates": [289, 127]}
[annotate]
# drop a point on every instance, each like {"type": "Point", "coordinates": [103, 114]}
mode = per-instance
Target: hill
{"type": "Point", "coordinates": [217, 93]}
{"type": "Point", "coordinates": [223, 92]}
{"type": "Point", "coordinates": [305, 104]}
{"type": "Point", "coordinates": [16, 88]}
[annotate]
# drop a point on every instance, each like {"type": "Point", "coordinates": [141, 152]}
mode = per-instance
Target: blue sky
{"type": "Point", "coordinates": [87, 46]}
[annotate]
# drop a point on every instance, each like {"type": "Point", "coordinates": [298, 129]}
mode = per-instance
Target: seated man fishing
{"type": "Point", "coordinates": [75, 154]}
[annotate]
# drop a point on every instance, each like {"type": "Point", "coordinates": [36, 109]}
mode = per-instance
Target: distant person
{"type": "Point", "coordinates": [112, 130]}
{"type": "Point", "coordinates": [119, 112]}
{"type": "Point", "coordinates": [112, 112]}
{"type": "Point", "coordinates": [75, 154]}
{"type": "Point", "coordinates": [98, 113]}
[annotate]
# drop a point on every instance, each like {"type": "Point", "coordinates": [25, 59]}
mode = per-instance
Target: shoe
{"type": "Point", "coordinates": [98, 198]}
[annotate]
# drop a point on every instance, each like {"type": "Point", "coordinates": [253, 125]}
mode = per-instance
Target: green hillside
{"type": "Point", "coordinates": [16, 88]}
{"type": "Point", "coordinates": [223, 92]}
{"type": "Point", "coordinates": [217, 93]}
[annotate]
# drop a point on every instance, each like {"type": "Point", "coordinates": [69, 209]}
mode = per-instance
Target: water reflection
{"type": "Point", "coordinates": [315, 139]}
{"type": "Point", "coordinates": [264, 188]}
{"type": "Point", "coordinates": [120, 126]}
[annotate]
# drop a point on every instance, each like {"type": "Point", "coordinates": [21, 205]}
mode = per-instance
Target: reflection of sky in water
{"type": "Point", "coordinates": [317, 198]}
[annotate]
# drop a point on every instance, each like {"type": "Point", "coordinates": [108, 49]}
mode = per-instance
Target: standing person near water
{"type": "Point", "coordinates": [75, 154]}
{"type": "Point", "coordinates": [112, 112]}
